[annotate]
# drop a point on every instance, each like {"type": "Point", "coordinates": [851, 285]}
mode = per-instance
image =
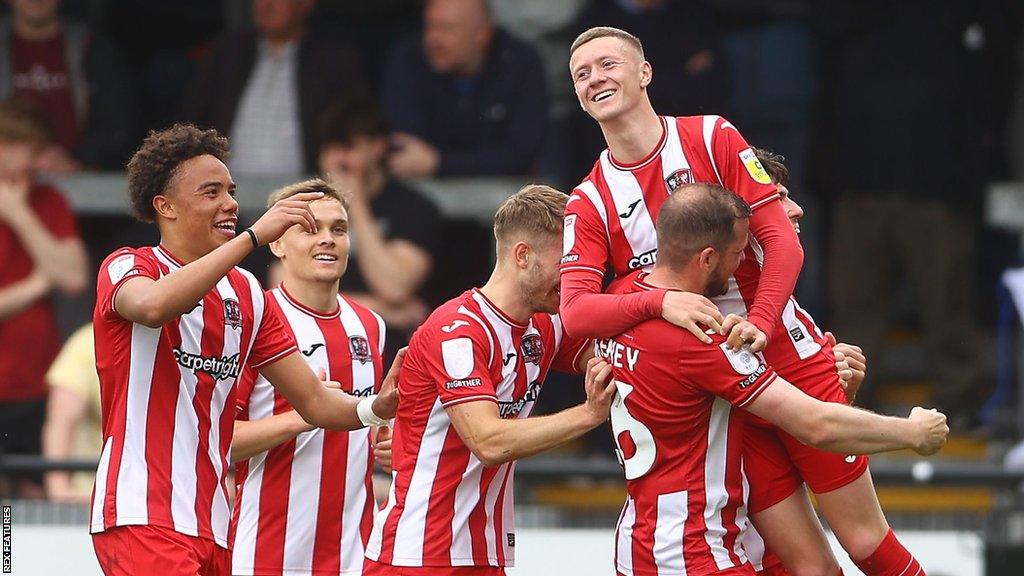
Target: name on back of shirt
{"type": "Point", "coordinates": [616, 353]}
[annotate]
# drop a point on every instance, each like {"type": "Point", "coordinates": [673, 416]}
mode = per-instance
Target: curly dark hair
{"type": "Point", "coordinates": [155, 162]}
{"type": "Point", "coordinates": [773, 164]}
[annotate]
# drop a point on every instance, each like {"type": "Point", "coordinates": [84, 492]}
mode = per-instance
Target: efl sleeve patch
{"type": "Point", "coordinates": [569, 235]}
{"type": "Point", "coordinates": [120, 267]}
{"type": "Point", "coordinates": [743, 361]}
{"type": "Point", "coordinates": [754, 168]}
{"type": "Point", "coordinates": [458, 357]}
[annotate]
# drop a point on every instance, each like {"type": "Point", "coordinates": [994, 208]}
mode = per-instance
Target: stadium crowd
{"type": "Point", "coordinates": [856, 108]}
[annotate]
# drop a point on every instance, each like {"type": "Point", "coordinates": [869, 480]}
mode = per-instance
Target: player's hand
{"type": "Point", "coordinates": [932, 429]}
{"type": "Point", "coordinates": [386, 403]}
{"type": "Point", "coordinates": [851, 364]}
{"type": "Point", "coordinates": [741, 331]}
{"type": "Point", "coordinates": [600, 389]}
{"type": "Point", "coordinates": [284, 214]}
{"type": "Point", "coordinates": [382, 448]}
{"type": "Point", "coordinates": [692, 311]}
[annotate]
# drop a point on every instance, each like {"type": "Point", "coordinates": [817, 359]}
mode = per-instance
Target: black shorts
{"type": "Point", "coordinates": [21, 431]}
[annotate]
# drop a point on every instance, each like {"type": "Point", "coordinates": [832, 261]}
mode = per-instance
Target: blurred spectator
{"type": "Point", "coordinates": [77, 78]}
{"type": "Point", "coordinates": [266, 87]}
{"type": "Point", "coordinates": [394, 229]}
{"type": "Point", "coordinates": [683, 40]}
{"type": "Point", "coordinates": [902, 218]}
{"type": "Point", "coordinates": [72, 427]}
{"type": "Point", "coordinates": [41, 252]}
{"type": "Point", "coordinates": [465, 98]}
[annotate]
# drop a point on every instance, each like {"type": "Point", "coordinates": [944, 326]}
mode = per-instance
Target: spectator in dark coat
{"type": "Point", "coordinates": [465, 98]}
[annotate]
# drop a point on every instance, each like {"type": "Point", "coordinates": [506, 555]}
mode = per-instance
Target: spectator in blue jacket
{"type": "Point", "coordinates": [464, 98]}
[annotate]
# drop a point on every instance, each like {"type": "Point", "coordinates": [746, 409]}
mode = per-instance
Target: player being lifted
{"type": "Point", "coordinates": [174, 326]}
{"type": "Point", "coordinates": [610, 222]}
{"type": "Point", "coordinates": [305, 500]}
{"type": "Point", "coordinates": [675, 419]}
{"type": "Point", "coordinates": [469, 382]}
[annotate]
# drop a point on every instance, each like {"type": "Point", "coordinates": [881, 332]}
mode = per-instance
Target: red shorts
{"type": "Point", "coordinates": [745, 570]}
{"type": "Point", "coordinates": [776, 463]}
{"type": "Point", "coordinates": [131, 550]}
{"type": "Point", "coordinates": [371, 568]}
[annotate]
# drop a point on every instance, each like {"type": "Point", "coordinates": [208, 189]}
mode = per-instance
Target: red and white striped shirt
{"type": "Point", "coordinates": [445, 507]}
{"type": "Point", "coordinates": [610, 218]}
{"type": "Point", "coordinates": [306, 506]}
{"type": "Point", "coordinates": [168, 397]}
{"type": "Point", "coordinates": [679, 439]}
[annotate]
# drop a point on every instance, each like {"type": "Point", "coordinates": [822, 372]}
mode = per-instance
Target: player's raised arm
{"type": "Point", "coordinates": [495, 440]}
{"type": "Point", "coordinates": [840, 428]}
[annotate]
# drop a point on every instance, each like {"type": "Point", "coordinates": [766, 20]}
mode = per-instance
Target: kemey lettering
{"type": "Point", "coordinates": [615, 353]}
{"type": "Point", "coordinates": [219, 368]}
{"type": "Point", "coordinates": [512, 408]}
{"type": "Point", "coordinates": [646, 259]}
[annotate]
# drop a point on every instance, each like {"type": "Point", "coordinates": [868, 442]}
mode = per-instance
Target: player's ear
{"type": "Point", "coordinates": [521, 253]}
{"type": "Point", "coordinates": [277, 249]}
{"type": "Point", "coordinates": [163, 207]}
{"type": "Point", "coordinates": [708, 259]}
{"type": "Point", "coordinates": [646, 74]}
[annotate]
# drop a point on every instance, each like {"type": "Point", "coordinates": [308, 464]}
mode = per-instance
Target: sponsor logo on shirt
{"type": "Point", "coordinates": [754, 168]}
{"type": "Point", "coordinates": [453, 326]}
{"type": "Point", "coordinates": [512, 408]}
{"type": "Point", "coordinates": [743, 361]}
{"type": "Point", "coordinates": [569, 234]}
{"type": "Point", "coordinates": [646, 259]}
{"type": "Point", "coordinates": [121, 267]}
{"type": "Point", "coordinates": [457, 355]}
{"type": "Point", "coordinates": [232, 313]}
{"type": "Point", "coordinates": [313, 348]}
{"type": "Point", "coordinates": [678, 178]}
{"type": "Point", "coordinates": [218, 368]}
{"type": "Point", "coordinates": [511, 539]}
{"type": "Point", "coordinates": [630, 209]}
{"type": "Point", "coordinates": [360, 348]}
{"type": "Point", "coordinates": [532, 346]}
{"type": "Point", "coordinates": [464, 383]}
{"type": "Point", "coordinates": [797, 334]}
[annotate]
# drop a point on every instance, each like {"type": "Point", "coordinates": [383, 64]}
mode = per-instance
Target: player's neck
{"type": "Point", "coordinates": [664, 277]}
{"type": "Point", "coordinates": [503, 293]}
{"type": "Point", "coordinates": [634, 135]}
{"type": "Point", "coordinates": [183, 251]}
{"type": "Point", "coordinates": [319, 296]}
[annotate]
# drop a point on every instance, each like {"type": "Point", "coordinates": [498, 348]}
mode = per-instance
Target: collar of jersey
{"type": "Point", "coordinates": [306, 309]}
{"type": "Point", "coordinates": [497, 311]}
{"type": "Point", "coordinates": [167, 254]}
{"type": "Point", "coordinates": [646, 159]}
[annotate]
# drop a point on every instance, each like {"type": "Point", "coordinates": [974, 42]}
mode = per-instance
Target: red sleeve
{"type": "Point", "coordinates": [55, 212]}
{"type": "Point", "coordinates": [458, 361]}
{"type": "Point", "coordinates": [119, 267]}
{"type": "Point", "coordinates": [736, 376]}
{"type": "Point", "coordinates": [738, 168]}
{"type": "Point", "coordinates": [245, 385]}
{"type": "Point", "coordinates": [783, 259]}
{"type": "Point", "coordinates": [567, 357]}
{"type": "Point", "coordinates": [584, 238]}
{"type": "Point", "coordinates": [274, 339]}
{"type": "Point", "coordinates": [587, 313]}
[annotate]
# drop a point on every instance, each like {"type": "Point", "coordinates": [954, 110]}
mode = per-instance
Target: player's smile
{"type": "Point", "coordinates": [226, 227]}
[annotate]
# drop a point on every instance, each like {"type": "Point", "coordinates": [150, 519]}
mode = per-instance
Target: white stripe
{"type": "Point", "coordinates": [133, 474]}
{"type": "Point", "coordinates": [638, 227]}
{"type": "Point", "coordinates": [185, 443]}
{"type": "Point", "coordinates": [258, 304]}
{"type": "Point", "coordinates": [504, 477]}
{"type": "Point", "coordinates": [467, 495]}
{"type": "Point", "coordinates": [307, 459]}
{"type": "Point", "coordinates": [506, 386]}
{"type": "Point", "coordinates": [412, 524]}
{"type": "Point", "coordinates": [669, 554]}
{"type": "Point", "coordinates": [220, 514]}
{"type": "Point", "coordinates": [483, 325]}
{"type": "Point", "coordinates": [624, 541]}
{"type": "Point", "coordinates": [673, 157]}
{"type": "Point", "coordinates": [374, 545]}
{"type": "Point", "coordinates": [362, 372]}
{"type": "Point", "coordinates": [261, 405]}
{"type": "Point", "coordinates": [709, 134]}
{"type": "Point", "coordinates": [804, 343]}
{"type": "Point", "coordinates": [743, 524]}
{"type": "Point", "coordinates": [714, 482]}
{"type": "Point", "coordinates": [100, 490]}
{"type": "Point", "coordinates": [382, 330]}
{"type": "Point", "coordinates": [588, 189]}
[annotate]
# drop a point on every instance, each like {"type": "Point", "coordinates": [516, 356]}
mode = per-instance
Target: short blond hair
{"type": "Point", "coordinates": [534, 210]}
{"type": "Point", "coordinates": [607, 32]}
{"type": "Point", "coordinates": [311, 185]}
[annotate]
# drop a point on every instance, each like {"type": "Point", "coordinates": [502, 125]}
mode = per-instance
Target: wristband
{"type": "Point", "coordinates": [252, 236]}
{"type": "Point", "coordinates": [364, 409]}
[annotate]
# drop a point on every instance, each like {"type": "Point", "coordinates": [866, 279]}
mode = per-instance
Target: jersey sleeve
{"type": "Point", "coordinates": [738, 168]}
{"type": "Point", "coordinates": [121, 266]}
{"type": "Point", "coordinates": [584, 238]}
{"type": "Point", "coordinates": [458, 361]}
{"type": "Point", "coordinates": [274, 340]}
{"type": "Point", "coordinates": [738, 376]}
{"type": "Point", "coordinates": [246, 384]}
{"type": "Point", "coordinates": [570, 349]}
